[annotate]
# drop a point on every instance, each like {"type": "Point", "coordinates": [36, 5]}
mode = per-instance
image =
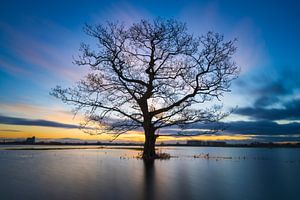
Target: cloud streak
{"type": "Point", "coordinates": [44, 57]}
{"type": "Point", "coordinates": [9, 130]}
{"type": "Point", "coordinates": [262, 127]}
{"type": "Point", "coordinates": [34, 122]}
{"type": "Point", "coordinates": [289, 112]}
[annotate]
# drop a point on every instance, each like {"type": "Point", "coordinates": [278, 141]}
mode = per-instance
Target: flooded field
{"type": "Point", "coordinates": [117, 173]}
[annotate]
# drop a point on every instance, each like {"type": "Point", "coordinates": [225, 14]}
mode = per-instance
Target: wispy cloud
{"type": "Point", "coordinates": [261, 127]}
{"type": "Point", "coordinates": [31, 122]}
{"type": "Point", "coordinates": [123, 12]}
{"type": "Point", "coordinates": [251, 50]}
{"type": "Point", "coordinates": [10, 130]}
{"type": "Point", "coordinates": [290, 111]}
{"type": "Point", "coordinates": [54, 112]}
{"type": "Point", "coordinates": [13, 69]}
{"type": "Point", "coordinates": [253, 128]}
{"type": "Point", "coordinates": [274, 95]}
{"type": "Point", "coordinates": [45, 54]}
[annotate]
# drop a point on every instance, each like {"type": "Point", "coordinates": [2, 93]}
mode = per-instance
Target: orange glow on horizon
{"type": "Point", "coordinates": [132, 136]}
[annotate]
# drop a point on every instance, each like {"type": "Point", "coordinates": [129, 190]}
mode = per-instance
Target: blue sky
{"type": "Point", "coordinates": [38, 40]}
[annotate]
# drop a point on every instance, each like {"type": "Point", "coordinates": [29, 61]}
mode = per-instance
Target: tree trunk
{"type": "Point", "coordinates": [149, 145]}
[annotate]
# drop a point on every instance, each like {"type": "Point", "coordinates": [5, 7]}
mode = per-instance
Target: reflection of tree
{"type": "Point", "coordinates": [149, 180]}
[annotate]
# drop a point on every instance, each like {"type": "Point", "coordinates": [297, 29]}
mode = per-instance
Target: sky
{"type": "Point", "coordinates": [39, 39]}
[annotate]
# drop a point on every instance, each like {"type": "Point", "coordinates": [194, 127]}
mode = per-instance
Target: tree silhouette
{"type": "Point", "coordinates": [153, 74]}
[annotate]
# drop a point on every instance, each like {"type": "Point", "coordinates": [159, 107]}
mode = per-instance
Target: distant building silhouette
{"type": "Point", "coordinates": [30, 140]}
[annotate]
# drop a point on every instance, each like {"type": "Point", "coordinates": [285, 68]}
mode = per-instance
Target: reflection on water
{"type": "Point", "coordinates": [149, 175]}
{"type": "Point", "coordinates": [228, 173]}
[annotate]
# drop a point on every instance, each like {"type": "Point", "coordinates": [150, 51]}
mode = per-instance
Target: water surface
{"type": "Point", "coordinates": [193, 173]}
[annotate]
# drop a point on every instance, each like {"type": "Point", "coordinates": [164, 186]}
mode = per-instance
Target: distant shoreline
{"type": "Point", "coordinates": [250, 145]}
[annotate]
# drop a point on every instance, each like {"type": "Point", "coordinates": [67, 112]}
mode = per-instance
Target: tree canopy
{"type": "Point", "coordinates": [152, 74]}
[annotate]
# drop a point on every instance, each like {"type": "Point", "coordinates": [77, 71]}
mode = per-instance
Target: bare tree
{"type": "Point", "coordinates": [153, 74]}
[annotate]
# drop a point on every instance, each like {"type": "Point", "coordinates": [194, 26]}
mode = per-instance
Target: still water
{"type": "Point", "coordinates": [225, 173]}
